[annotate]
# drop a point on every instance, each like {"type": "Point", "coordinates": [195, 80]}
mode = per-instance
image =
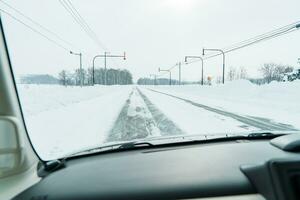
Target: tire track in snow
{"type": "Point", "coordinates": [261, 123]}
{"type": "Point", "coordinates": [166, 126]}
{"type": "Point", "coordinates": [140, 119]}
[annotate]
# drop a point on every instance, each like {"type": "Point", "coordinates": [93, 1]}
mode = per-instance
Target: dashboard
{"type": "Point", "coordinates": [220, 170]}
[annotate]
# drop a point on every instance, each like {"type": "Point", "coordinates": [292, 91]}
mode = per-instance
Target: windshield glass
{"type": "Point", "coordinates": [93, 73]}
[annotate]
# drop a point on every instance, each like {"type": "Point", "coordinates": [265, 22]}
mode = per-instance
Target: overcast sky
{"type": "Point", "coordinates": [154, 33]}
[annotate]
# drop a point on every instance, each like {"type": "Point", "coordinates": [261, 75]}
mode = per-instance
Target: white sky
{"type": "Point", "coordinates": [154, 33]}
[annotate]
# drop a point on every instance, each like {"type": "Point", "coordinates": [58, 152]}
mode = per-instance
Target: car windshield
{"type": "Point", "coordinates": [95, 73]}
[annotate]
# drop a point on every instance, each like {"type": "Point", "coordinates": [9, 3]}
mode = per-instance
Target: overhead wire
{"type": "Point", "coordinates": [45, 32]}
{"type": "Point", "coordinates": [101, 45]}
{"type": "Point", "coordinates": [269, 35]}
{"type": "Point", "coordinates": [70, 8]}
{"type": "Point", "coordinates": [35, 30]}
{"type": "Point", "coordinates": [77, 17]}
{"type": "Point", "coordinates": [37, 23]}
{"type": "Point", "coordinates": [245, 43]}
{"type": "Point", "coordinates": [281, 29]}
{"type": "Point", "coordinates": [92, 33]}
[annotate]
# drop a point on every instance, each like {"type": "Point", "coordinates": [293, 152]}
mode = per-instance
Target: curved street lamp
{"type": "Point", "coordinates": [223, 53]}
{"type": "Point", "coordinates": [170, 74]}
{"type": "Point", "coordinates": [80, 65]}
{"type": "Point", "coordinates": [105, 55]}
{"type": "Point", "coordinates": [186, 60]}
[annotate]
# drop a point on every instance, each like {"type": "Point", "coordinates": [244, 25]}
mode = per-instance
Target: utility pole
{"type": "Point", "coordinates": [105, 55]}
{"type": "Point", "coordinates": [170, 74]}
{"type": "Point", "coordinates": [80, 66]}
{"type": "Point", "coordinates": [179, 78]}
{"type": "Point", "coordinates": [105, 79]}
{"type": "Point", "coordinates": [186, 60]}
{"type": "Point", "coordinates": [154, 76]}
{"type": "Point", "coordinates": [222, 52]}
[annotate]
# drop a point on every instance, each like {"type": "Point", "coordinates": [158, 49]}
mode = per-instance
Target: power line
{"type": "Point", "coordinates": [74, 16]}
{"type": "Point", "coordinates": [266, 36]}
{"type": "Point", "coordinates": [77, 17]}
{"type": "Point", "coordinates": [34, 30]}
{"type": "Point", "coordinates": [88, 27]}
{"type": "Point", "coordinates": [245, 43]}
{"type": "Point", "coordinates": [281, 29]}
{"type": "Point", "coordinates": [37, 24]}
{"type": "Point", "coordinates": [69, 7]}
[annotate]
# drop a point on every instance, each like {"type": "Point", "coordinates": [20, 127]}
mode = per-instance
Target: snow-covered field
{"type": "Point", "coordinates": [61, 120]}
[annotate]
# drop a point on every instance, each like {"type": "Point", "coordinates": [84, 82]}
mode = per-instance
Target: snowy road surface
{"type": "Point", "coordinates": [139, 118]}
{"type": "Point", "coordinates": [258, 122]}
{"type": "Point", "coordinates": [71, 119]}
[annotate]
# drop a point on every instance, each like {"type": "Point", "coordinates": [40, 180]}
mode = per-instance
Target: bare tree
{"type": "Point", "coordinates": [243, 73]}
{"type": "Point", "coordinates": [272, 71]}
{"type": "Point", "coordinates": [231, 74]}
{"type": "Point", "coordinates": [62, 76]}
{"type": "Point", "coordinates": [268, 71]}
{"type": "Point", "coordinates": [219, 79]}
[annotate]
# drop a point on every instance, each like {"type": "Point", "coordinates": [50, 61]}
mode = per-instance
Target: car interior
{"type": "Point", "coordinates": [216, 169]}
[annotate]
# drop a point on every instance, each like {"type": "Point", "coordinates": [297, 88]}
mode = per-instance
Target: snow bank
{"type": "Point", "coordinates": [279, 101]}
{"type": "Point", "coordinates": [39, 98]}
{"type": "Point", "coordinates": [61, 120]}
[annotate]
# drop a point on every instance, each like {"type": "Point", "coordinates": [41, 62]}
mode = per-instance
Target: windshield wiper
{"type": "Point", "coordinates": [163, 141]}
{"type": "Point", "coordinates": [268, 134]}
{"type": "Point", "coordinates": [181, 139]}
{"type": "Point", "coordinates": [131, 145]}
{"type": "Point", "coordinates": [114, 147]}
{"type": "Point", "coordinates": [54, 165]}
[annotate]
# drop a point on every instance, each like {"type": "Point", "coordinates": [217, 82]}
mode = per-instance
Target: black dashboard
{"type": "Point", "coordinates": [178, 172]}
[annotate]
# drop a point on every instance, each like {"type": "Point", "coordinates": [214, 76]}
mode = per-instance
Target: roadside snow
{"type": "Point", "coordinates": [39, 98]}
{"type": "Point", "coordinates": [193, 120]}
{"type": "Point", "coordinates": [62, 120]}
{"type": "Point", "coordinates": [278, 101]}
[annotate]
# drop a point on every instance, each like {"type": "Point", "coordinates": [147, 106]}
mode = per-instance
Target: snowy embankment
{"type": "Point", "coordinates": [61, 119]}
{"type": "Point", "coordinates": [278, 101]}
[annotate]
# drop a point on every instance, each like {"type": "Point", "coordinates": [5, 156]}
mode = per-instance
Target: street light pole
{"type": "Point", "coordinates": [105, 57]}
{"type": "Point", "coordinates": [202, 63]}
{"type": "Point", "coordinates": [105, 79]}
{"type": "Point", "coordinates": [170, 74]}
{"type": "Point", "coordinates": [223, 53]}
{"type": "Point", "coordinates": [154, 76]}
{"type": "Point", "coordinates": [179, 78]}
{"type": "Point", "coordinates": [80, 66]}
{"type": "Point", "coordinates": [81, 72]}
{"type": "Point", "coordinates": [93, 70]}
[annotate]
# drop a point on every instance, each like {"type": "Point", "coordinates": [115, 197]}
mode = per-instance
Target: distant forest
{"type": "Point", "coordinates": [38, 79]}
{"type": "Point", "coordinates": [113, 77]}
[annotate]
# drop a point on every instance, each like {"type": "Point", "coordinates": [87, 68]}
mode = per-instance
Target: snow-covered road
{"type": "Point", "coordinates": [63, 120]}
{"type": "Point", "coordinates": [139, 118]}
{"type": "Point", "coordinates": [248, 121]}
{"type": "Point", "coordinates": [150, 112]}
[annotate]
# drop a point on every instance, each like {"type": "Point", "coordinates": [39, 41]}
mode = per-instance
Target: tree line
{"type": "Point", "coordinates": [113, 77]}
{"type": "Point", "coordinates": [158, 81]}
{"type": "Point", "coordinates": [269, 71]}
